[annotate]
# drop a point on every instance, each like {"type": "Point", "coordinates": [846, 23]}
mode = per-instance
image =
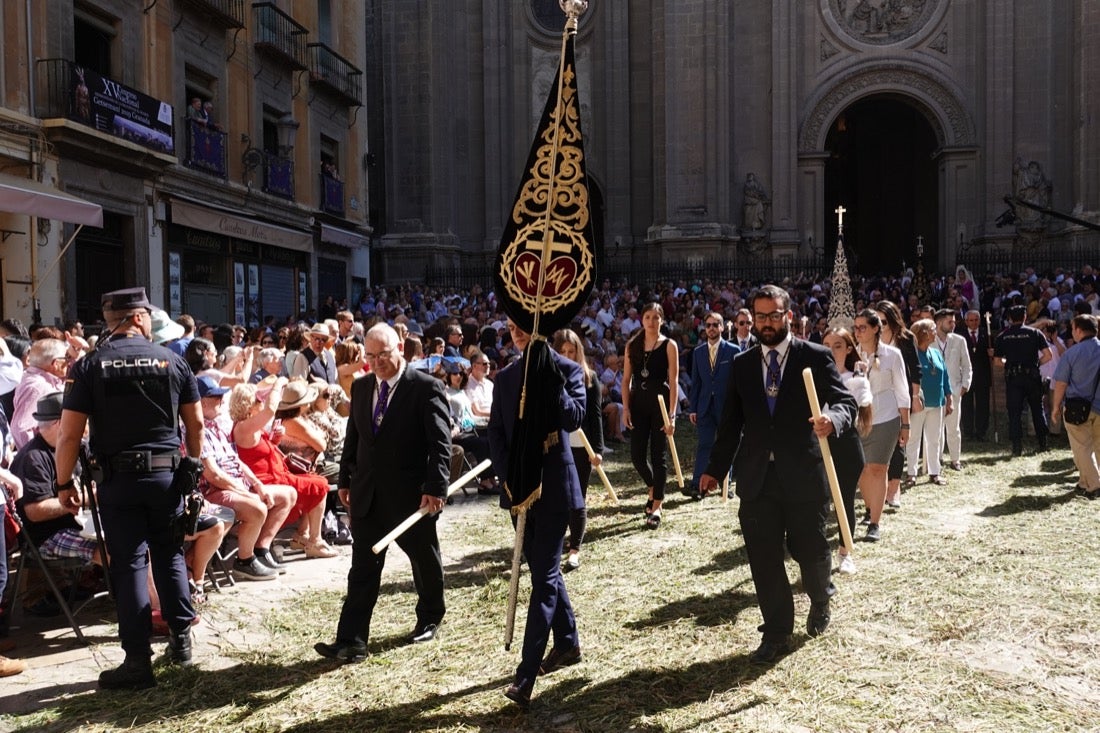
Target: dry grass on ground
{"type": "Point", "coordinates": [973, 614]}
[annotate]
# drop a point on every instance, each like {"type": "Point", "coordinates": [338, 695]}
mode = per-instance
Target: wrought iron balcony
{"type": "Point", "coordinates": [230, 13]}
{"type": "Point", "coordinates": [206, 149]}
{"type": "Point", "coordinates": [329, 69]}
{"type": "Point", "coordinates": [278, 34]}
{"type": "Point", "coordinates": [332, 195]}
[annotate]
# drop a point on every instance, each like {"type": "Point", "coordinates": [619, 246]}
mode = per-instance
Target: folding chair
{"type": "Point", "coordinates": [73, 568]}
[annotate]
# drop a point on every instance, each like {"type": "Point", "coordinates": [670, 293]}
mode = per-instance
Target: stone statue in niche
{"type": "Point", "coordinates": [1030, 184]}
{"type": "Point", "coordinates": [755, 205]}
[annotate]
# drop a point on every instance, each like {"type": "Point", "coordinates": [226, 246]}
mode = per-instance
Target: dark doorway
{"type": "Point", "coordinates": [881, 169]}
{"type": "Point", "coordinates": [596, 216]}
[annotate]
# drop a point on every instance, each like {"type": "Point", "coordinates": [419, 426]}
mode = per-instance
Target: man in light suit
{"type": "Point", "coordinates": [549, 612]}
{"type": "Point", "coordinates": [956, 359]}
{"type": "Point", "coordinates": [710, 374]}
{"type": "Point", "coordinates": [396, 459]}
{"type": "Point", "coordinates": [781, 481]}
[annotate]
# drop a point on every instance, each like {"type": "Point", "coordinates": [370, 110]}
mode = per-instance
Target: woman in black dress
{"type": "Point", "coordinates": [651, 369]}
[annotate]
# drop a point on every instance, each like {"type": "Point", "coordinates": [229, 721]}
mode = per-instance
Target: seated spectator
{"type": "Point", "coordinates": [271, 364]}
{"type": "Point", "coordinates": [479, 388]}
{"type": "Point", "coordinates": [227, 481]}
{"type": "Point", "coordinates": [47, 365]}
{"type": "Point", "coordinates": [463, 433]}
{"type": "Point", "coordinates": [236, 364]}
{"type": "Point", "coordinates": [50, 524]}
{"type": "Point", "coordinates": [350, 361]}
{"type": "Point", "coordinates": [250, 416]}
{"type": "Point", "coordinates": [302, 437]}
{"type": "Point", "coordinates": [325, 414]}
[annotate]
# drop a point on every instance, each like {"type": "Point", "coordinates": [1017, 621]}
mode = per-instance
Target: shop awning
{"type": "Point", "coordinates": [342, 237]}
{"type": "Point", "coordinates": [27, 196]}
{"type": "Point", "coordinates": [239, 224]}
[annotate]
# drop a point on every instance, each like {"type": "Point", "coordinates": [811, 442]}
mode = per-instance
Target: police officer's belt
{"type": "Point", "coordinates": [143, 461]}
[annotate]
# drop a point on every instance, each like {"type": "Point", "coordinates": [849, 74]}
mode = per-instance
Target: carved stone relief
{"type": "Point", "coordinates": [882, 22]}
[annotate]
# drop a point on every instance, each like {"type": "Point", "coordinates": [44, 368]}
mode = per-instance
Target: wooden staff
{"type": "Point", "coordinates": [513, 584]}
{"type": "Point", "coordinates": [827, 457]}
{"type": "Point", "coordinates": [423, 511]}
{"type": "Point", "coordinates": [599, 468]}
{"type": "Point", "coordinates": [671, 441]}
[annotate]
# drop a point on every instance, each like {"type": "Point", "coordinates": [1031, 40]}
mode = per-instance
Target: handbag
{"type": "Point", "coordinates": [1076, 409]}
{"type": "Point", "coordinates": [297, 464]}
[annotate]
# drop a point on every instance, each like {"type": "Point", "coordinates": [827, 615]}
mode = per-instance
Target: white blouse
{"type": "Point", "coordinates": [889, 385]}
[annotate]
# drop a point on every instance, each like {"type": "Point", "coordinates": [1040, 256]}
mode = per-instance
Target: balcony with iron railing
{"type": "Point", "coordinates": [279, 35]}
{"type": "Point", "coordinates": [329, 69]}
{"type": "Point", "coordinates": [278, 176]}
{"type": "Point", "coordinates": [228, 13]}
{"type": "Point", "coordinates": [332, 195]}
{"type": "Point", "coordinates": [206, 149]}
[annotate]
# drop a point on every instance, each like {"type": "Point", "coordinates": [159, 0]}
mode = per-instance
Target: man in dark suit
{"type": "Point", "coordinates": [975, 403]}
{"type": "Point", "coordinates": [396, 459]}
{"type": "Point", "coordinates": [781, 479]}
{"type": "Point", "coordinates": [742, 335]}
{"type": "Point", "coordinates": [710, 375]}
{"type": "Point", "coordinates": [549, 611]}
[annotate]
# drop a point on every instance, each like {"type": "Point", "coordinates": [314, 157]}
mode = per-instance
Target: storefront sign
{"type": "Point", "coordinates": [120, 111]}
{"type": "Point", "coordinates": [217, 222]}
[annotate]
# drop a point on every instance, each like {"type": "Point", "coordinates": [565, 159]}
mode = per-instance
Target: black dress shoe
{"type": "Point", "coordinates": [558, 658]}
{"type": "Point", "coordinates": [819, 618]}
{"type": "Point", "coordinates": [342, 651]}
{"type": "Point", "coordinates": [769, 651]}
{"type": "Point", "coordinates": [520, 693]}
{"type": "Point", "coordinates": [424, 632]}
{"type": "Point", "coordinates": [179, 649]}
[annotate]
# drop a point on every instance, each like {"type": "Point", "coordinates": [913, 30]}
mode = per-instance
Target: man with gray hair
{"type": "Point", "coordinates": [47, 364]}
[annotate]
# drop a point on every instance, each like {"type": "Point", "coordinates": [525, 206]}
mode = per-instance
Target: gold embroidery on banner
{"type": "Point", "coordinates": [572, 259]}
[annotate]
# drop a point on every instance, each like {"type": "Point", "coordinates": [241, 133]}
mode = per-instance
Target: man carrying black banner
{"type": "Point", "coordinates": [134, 394]}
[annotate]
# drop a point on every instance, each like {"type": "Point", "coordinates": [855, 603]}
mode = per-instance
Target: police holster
{"type": "Point", "coordinates": [185, 480]}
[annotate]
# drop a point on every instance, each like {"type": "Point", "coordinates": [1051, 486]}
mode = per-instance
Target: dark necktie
{"type": "Point", "coordinates": [772, 387]}
{"type": "Point", "coordinates": [974, 336]}
{"type": "Point", "coordinates": [383, 400]}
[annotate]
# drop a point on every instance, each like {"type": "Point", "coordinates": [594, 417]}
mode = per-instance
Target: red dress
{"type": "Point", "coordinates": [266, 461]}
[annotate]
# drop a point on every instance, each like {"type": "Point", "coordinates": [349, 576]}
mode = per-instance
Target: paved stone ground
{"type": "Point", "coordinates": [58, 664]}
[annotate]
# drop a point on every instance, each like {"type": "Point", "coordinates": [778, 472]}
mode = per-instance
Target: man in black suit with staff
{"type": "Point", "coordinates": [396, 459]}
{"type": "Point", "coordinates": [781, 481]}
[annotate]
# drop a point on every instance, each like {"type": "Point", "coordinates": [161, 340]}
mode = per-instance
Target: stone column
{"type": "Point", "coordinates": [811, 203]}
{"type": "Point", "coordinates": [960, 213]}
{"type": "Point", "coordinates": [784, 90]}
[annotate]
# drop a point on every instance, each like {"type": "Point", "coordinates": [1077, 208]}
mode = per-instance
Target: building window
{"type": "Point", "coordinates": [324, 21]}
{"type": "Point", "coordinates": [93, 41]}
{"type": "Point", "coordinates": [548, 14]}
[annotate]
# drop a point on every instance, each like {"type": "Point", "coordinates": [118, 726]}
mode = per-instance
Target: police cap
{"type": "Point", "coordinates": [125, 299]}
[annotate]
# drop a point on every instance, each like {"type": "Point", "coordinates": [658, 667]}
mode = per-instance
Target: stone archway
{"type": "Point", "coordinates": [954, 150]}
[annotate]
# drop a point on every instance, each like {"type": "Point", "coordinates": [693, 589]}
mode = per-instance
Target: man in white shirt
{"type": "Point", "coordinates": [630, 324]}
{"type": "Point", "coordinates": [956, 358]}
{"type": "Point", "coordinates": [479, 388]}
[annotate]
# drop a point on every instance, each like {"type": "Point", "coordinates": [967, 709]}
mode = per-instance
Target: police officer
{"type": "Point", "coordinates": [134, 393]}
{"type": "Point", "coordinates": [1023, 349]}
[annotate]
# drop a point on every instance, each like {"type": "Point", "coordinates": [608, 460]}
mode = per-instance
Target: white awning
{"type": "Point", "coordinates": [342, 237]}
{"type": "Point", "coordinates": [27, 196]}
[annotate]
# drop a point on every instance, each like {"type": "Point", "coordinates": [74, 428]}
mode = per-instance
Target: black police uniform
{"type": "Point", "coordinates": [1020, 346]}
{"type": "Point", "coordinates": [131, 390]}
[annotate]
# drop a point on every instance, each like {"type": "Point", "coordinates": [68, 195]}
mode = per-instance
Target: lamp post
{"type": "Point", "coordinates": [920, 280]}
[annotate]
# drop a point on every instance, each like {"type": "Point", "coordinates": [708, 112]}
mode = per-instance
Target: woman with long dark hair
{"type": "Point", "coordinates": [651, 369]}
{"type": "Point", "coordinates": [569, 344]}
{"type": "Point", "coordinates": [895, 333]}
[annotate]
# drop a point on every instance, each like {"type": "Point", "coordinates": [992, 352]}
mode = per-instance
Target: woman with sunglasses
{"type": "Point", "coordinates": [890, 400]}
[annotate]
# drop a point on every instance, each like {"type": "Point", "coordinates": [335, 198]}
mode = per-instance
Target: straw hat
{"type": "Point", "coordinates": [296, 394]}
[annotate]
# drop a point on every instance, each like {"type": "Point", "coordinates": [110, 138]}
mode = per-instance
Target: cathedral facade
{"type": "Point", "coordinates": [718, 129]}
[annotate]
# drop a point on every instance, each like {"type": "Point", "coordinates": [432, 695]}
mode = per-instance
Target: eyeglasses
{"type": "Point", "coordinates": [776, 317]}
{"type": "Point", "coordinates": [380, 355]}
{"type": "Point", "coordinates": [481, 363]}
{"type": "Point", "coordinates": [712, 324]}
{"type": "Point", "coordinates": [860, 327]}
{"type": "Point", "coordinates": [267, 342]}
